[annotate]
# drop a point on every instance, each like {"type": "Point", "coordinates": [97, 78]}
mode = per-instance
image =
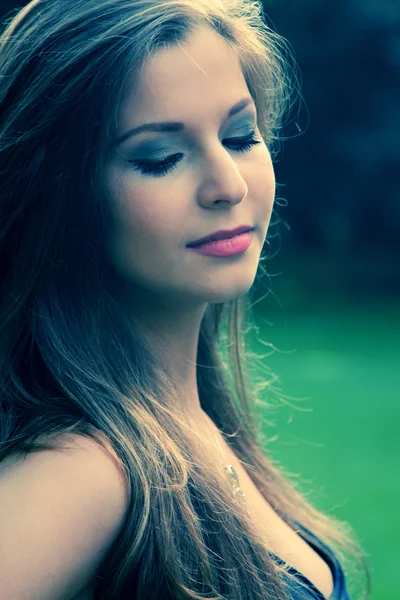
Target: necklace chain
{"type": "Point", "coordinates": [230, 469]}
{"type": "Point", "coordinates": [236, 487]}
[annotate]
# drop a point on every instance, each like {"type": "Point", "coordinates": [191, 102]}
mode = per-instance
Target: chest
{"type": "Point", "coordinates": [285, 542]}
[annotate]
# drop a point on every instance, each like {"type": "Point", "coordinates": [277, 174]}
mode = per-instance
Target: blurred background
{"type": "Point", "coordinates": [331, 306]}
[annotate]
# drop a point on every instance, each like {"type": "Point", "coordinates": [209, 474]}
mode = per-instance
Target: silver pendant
{"type": "Point", "coordinates": [236, 487]}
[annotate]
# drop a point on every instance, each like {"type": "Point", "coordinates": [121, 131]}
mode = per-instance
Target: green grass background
{"type": "Point", "coordinates": [339, 361]}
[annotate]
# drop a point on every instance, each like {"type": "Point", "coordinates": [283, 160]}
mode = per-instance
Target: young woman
{"type": "Point", "coordinates": [131, 463]}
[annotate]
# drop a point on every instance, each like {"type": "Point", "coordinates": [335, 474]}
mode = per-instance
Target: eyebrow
{"type": "Point", "coordinates": [171, 126]}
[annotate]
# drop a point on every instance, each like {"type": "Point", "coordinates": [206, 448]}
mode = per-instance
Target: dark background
{"type": "Point", "coordinates": [341, 176]}
{"type": "Point", "coordinates": [330, 308]}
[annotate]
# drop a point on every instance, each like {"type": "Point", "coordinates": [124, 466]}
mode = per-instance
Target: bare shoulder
{"type": "Point", "coordinates": [60, 511]}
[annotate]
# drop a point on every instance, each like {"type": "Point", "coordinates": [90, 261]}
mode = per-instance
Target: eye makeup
{"type": "Point", "coordinates": [162, 166]}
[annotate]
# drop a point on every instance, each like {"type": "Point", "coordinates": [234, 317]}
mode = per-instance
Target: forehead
{"type": "Point", "coordinates": [185, 82]}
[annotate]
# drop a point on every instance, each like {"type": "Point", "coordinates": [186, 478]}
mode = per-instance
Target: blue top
{"type": "Point", "coordinates": [308, 591]}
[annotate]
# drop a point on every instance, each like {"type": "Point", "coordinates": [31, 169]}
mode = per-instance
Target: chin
{"type": "Point", "coordinates": [225, 295]}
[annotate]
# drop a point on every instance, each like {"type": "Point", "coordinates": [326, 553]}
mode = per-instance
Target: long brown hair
{"type": "Point", "coordinates": [71, 362]}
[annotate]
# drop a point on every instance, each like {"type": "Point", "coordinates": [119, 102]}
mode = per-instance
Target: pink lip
{"type": "Point", "coordinates": [223, 234]}
{"type": "Point", "coordinates": [226, 247]}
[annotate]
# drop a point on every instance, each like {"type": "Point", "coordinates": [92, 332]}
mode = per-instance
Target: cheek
{"type": "Point", "coordinates": [145, 218]}
{"type": "Point", "coordinates": [262, 184]}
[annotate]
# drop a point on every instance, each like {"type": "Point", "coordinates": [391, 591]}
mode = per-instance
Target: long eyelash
{"type": "Point", "coordinates": [158, 168]}
{"type": "Point", "coordinates": [244, 143]}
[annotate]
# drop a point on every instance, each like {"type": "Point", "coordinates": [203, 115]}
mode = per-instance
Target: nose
{"type": "Point", "coordinates": [221, 182]}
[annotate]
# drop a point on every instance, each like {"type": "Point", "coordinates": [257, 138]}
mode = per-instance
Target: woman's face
{"type": "Point", "coordinates": [211, 180]}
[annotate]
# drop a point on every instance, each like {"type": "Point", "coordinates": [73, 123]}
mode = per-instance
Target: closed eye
{"type": "Point", "coordinates": [162, 166]}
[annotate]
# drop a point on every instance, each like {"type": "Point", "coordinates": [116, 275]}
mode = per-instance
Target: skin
{"type": "Point", "coordinates": [213, 187]}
